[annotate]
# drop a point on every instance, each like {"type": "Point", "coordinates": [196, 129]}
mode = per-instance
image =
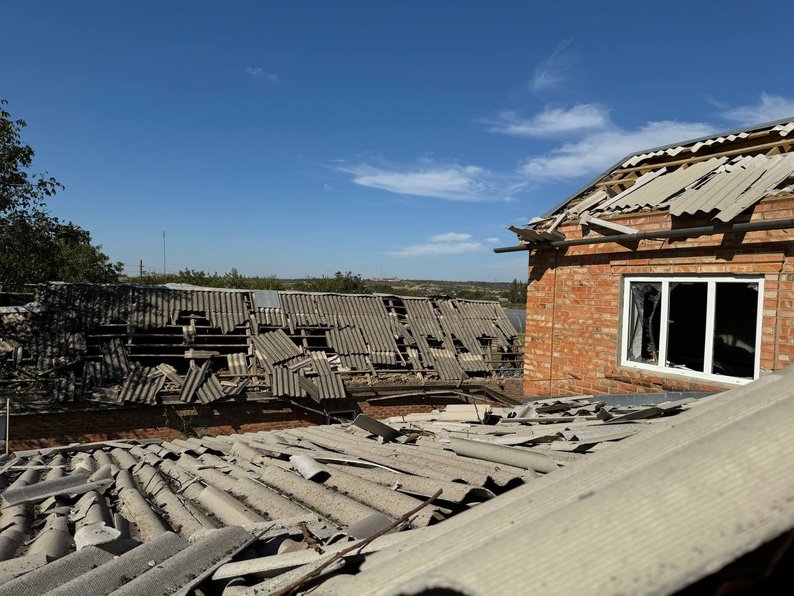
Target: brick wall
{"type": "Point", "coordinates": [49, 429]}
{"type": "Point", "coordinates": [34, 430]}
{"type": "Point", "coordinates": [574, 300]}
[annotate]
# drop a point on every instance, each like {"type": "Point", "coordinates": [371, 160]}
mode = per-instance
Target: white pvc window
{"type": "Point", "coordinates": [702, 327]}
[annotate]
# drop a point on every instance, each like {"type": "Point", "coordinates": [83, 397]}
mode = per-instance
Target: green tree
{"type": "Point", "coordinates": [35, 246]}
{"type": "Point", "coordinates": [473, 295]}
{"type": "Point", "coordinates": [340, 283]}
{"type": "Point", "coordinates": [517, 293]}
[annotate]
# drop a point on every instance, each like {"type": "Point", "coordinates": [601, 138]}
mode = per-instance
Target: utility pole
{"type": "Point", "coordinates": [164, 252]}
{"type": "Point", "coordinates": [140, 267]}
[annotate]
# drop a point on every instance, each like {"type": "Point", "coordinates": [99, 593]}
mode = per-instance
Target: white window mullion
{"type": "Point", "coordinates": [711, 301]}
{"type": "Point", "coordinates": [624, 347]}
{"type": "Point", "coordinates": [665, 306]}
{"type": "Point", "coordinates": [759, 328]}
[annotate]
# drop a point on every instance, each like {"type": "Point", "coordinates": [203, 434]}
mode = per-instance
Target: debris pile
{"type": "Point", "coordinates": [262, 510]}
{"type": "Point", "coordinates": [135, 344]}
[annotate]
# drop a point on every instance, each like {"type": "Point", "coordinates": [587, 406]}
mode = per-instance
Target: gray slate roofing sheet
{"type": "Point", "coordinates": [115, 573]}
{"type": "Point", "coordinates": [49, 577]}
{"type": "Point", "coordinates": [684, 512]}
{"type": "Point", "coordinates": [723, 185]}
{"type": "Point", "coordinates": [190, 565]}
{"type": "Point", "coordinates": [360, 333]}
{"type": "Point", "coordinates": [142, 385]}
{"type": "Point", "coordinates": [666, 481]}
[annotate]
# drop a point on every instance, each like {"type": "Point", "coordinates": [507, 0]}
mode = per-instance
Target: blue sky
{"type": "Point", "coordinates": [396, 138]}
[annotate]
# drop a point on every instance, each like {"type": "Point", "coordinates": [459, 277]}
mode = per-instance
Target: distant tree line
{"type": "Point", "coordinates": [231, 279]}
{"type": "Point", "coordinates": [36, 247]}
{"type": "Point", "coordinates": [339, 283]}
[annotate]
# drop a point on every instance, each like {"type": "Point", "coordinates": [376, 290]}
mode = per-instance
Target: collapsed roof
{"type": "Point", "coordinates": [140, 344]}
{"type": "Point", "coordinates": [702, 499]}
{"type": "Point", "coordinates": [721, 177]}
{"type": "Point", "coordinates": [261, 510]}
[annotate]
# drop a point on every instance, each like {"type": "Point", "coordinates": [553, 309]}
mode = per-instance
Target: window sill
{"type": "Point", "coordinates": [684, 375]}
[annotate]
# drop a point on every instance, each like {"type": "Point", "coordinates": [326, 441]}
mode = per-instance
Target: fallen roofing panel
{"type": "Point", "coordinates": [669, 485]}
{"type": "Point", "coordinates": [142, 385]}
{"type": "Point", "coordinates": [231, 473]}
{"type": "Point", "coordinates": [386, 432]}
{"type": "Point", "coordinates": [75, 484]}
{"type": "Point", "coordinates": [193, 380]}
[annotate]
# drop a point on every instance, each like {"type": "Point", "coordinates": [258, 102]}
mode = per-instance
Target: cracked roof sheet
{"type": "Point", "coordinates": [254, 507]}
{"type": "Point", "coordinates": [721, 176]}
{"type": "Point", "coordinates": [143, 345]}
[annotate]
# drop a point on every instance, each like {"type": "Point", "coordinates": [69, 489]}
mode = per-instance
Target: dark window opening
{"type": "Point", "coordinates": [686, 331]}
{"type": "Point", "coordinates": [735, 323]}
{"type": "Point", "coordinates": [644, 322]}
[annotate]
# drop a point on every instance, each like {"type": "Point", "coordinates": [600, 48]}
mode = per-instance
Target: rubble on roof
{"type": "Point", "coordinates": [261, 512]}
{"type": "Point", "coordinates": [128, 344]}
{"type": "Point", "coordinates": [255, 505]}
{"type": "Point", "coordinates": [673, 505]}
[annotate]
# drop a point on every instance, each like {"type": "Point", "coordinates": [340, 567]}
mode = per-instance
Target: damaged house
{"type": "Point", "coordinates": [672, 270]}
{"type": "Point", "coordinates": [228, 360]}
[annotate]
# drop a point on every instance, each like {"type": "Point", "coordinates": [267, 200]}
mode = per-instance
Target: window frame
{"type": "Point", "coordinates": [711, 282]}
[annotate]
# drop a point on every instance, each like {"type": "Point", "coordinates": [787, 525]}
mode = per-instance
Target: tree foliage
{"type": "Point", "coordinates": [517, 293]}
{"type": "Point", "coordinates": [340, 283]}
{"type": "Point", "coordinates": [35, 246]}
{"type": "Point", "coordinates": [231, 279]}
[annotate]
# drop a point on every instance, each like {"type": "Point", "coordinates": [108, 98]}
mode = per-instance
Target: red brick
{"type": "Point", "coordinates": [573, 301]}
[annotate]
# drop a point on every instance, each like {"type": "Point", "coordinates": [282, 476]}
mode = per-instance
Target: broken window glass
{"type": "Point", "coordinates": [686, 325]}
{"type": "Point", "coordinates": [644, 322]}
{"type": "Point", "coordinates": [735, 322]}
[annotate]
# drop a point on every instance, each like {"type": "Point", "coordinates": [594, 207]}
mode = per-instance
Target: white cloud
{"type": "Point", "coordinates": [450, 237]}
{"type": "Point", "coordinates": [552, 71]}
{"type": "Point", "coordinates": [768, 108]}
{"type": "Point", "coordinates": [259, 72]}
{"type": "Point", "coordinates": [453, 182]}
{"type": "Point", "coordinates": [599, 150]}
{"type": "Point", "coordinates": [493, 240]}
{"type": "Point", "coordinates": [451, 243]}
{"type": "Point", "coordinates": [552, 122]}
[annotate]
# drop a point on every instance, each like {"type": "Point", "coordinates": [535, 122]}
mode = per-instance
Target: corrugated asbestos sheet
{"type": "Point", "coordinates": [275, 347]}
{"type": "Point", "coordinates": [167, 342]}
{"type": "Point", "coordinates": [114, 359]}
{"type": "Point", "coordinates": [142, 386]}
{"type": "Point", "coordinates": [725, 187]}
{"type": "Point", "coordinates": [192, 381]}
{"type": "Point", "coordinates": [209, 390]}
{"type": "Point", "coordinates": [654, 512]}
{"type": "Point", "coordinates": [237, 363]}
{"type": "Point", "coordinates": [721, 176]}
{"type": "Point", "coordinates": [642, 493]}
